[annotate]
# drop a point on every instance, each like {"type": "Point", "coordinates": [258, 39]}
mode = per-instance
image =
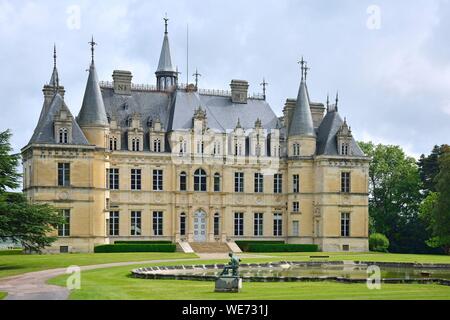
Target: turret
{"type": "Point", "coordinates": [166, 75]}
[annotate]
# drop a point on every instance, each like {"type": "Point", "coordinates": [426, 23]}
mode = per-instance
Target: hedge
{"type": "Point", "coordinates": [283, 248]}
{"type": "Point", "coordinates": [143, 242]}
{"type": "Point", "coordinates": [11, 252]}
{"type": "Point", "coordinates": [113, 248]}
{"type": "Point", "coordinates": [243, 244]}
{"type": "Point", "coordinates": [378, 242]}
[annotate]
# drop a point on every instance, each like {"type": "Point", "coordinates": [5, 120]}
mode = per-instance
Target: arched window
{"type": "Point", "coordinates": [63, 135]}
{"type": "Point", "coordinates": [183, 184]}
{"type": "Point", "coordinates": [183, 224]}
{"type": "Point", "coordinates": [216, 224]}
{"type": "Point", "coordinates": [200, 180]}
{"type": "Point", "coordinates": [217, 182]}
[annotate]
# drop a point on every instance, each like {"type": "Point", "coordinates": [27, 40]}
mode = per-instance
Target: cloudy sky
{"type": "Point", "coordinates": [390, 60]}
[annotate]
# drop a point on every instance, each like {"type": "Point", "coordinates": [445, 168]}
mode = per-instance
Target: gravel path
{"type": "Point", "coordinates": [33, 285]}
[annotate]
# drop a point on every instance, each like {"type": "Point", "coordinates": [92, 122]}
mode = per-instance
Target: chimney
{"type": "Point", "coordinates": [239, 91]}
{"type": "Point", "coordinates": [288, 111]}
{"type": "Point", "coordinates": [122, 82]}
{"type": "Point", "coordinates": [49, 92]}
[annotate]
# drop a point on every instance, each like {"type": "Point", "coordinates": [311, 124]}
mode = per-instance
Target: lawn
{"type": "Point", "coordinates": [20, 263]}
{"type": "Point", "coordinates": [116, 283]}
{"type": "Point", "coordinates": [3, 295]}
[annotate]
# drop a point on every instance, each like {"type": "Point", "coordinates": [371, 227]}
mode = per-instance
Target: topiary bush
{"type": "Point", "coordinates": [378, 242]}
{"type": "Point", "coordinates": [115, 248]}
{"type": "Point", "coordinates": [282, 248]}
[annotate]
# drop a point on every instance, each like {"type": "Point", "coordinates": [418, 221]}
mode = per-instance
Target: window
{"type": "Point", "coordinates": [259, 183]}
{"type": "Point", "coordinates": [277, 183]}
{"type": "Point", "coordinates": [345, 182]}
{"type": "Point", "coordinates": [136, 179]}
{"type": "Point", "coordinates": [183, 184]}
{"type": "Point", "coordinates": [258, 224]}
{"type": "Point", "coordinates": [296, 206]}
{"type": "Point", "coordinates": [113, 144]}
{"type": "Point", "coordinates": [113, 179]}
{"type": "Point", "coordinates": [64, 228]}
{"type": "Point", "coordinates": [345, 224]}
{"type": "Point", "coordinates": [200, 180]}
{"type": "Point", "coordinates": [200, 147]}
{"type": "Point", "coordinates": [238, 224]}
{"type": "Point", "coordinates": [296, 183]}
{"type": "Point", "coordinates": [183, 147]}
{"type": "Point", "coordinates": [216, 224]}
{"type": "Point", "coordinates": [295, 228]}
{"type": "Point", "coordinates": [217, 182]}
{"type": "Point", "coordinates": [157, 223]}
{"type": "Point", "coordinates": [157, 180]}
{"type": "Point", "coordinates": [63, 135]}
{"type": "Point", "coordinates": [157, 145]}
{"type": "Point", "coordinates": [216, 150]}
{"type": "Point", "coordinates": [135, 223]}
{"type": "Point", "coordinates": [114, 223]}
{"type": "Point", "coordinates": [183, 224]}
{"type": "Point", "coordinates": [296, 149]}
{"type": "Point", "coordinates": [135, 144]}
{"type": "Point", "coordinates": [277, 225]}
{"type": "Point", "coordinates": [64, 174]}
{"type": "Point", "coordinates": [238, 182]}
{"type": "Point", "coordinates": [344, 149]}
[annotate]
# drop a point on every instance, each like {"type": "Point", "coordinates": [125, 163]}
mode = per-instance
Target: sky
{"type": "Point", "coordinates": [389, 60]}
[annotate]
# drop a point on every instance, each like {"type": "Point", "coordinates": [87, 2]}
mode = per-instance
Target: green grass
{"type": "Point", "coordinates": [3, 295]}
{"type": "Point", "coordinates": [17, 264]}
{"type": "Point", "coordinates": [116, 283]}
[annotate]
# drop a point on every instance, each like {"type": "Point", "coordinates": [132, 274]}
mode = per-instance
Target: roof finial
{"type": "Point", "coordinates": [306, 70]}
{"type": "Point", "coordinates": [337, 100]}
{"type": "Point", "coordinates": [93, 44]}
{"type": "Point", "coordinates": [328, 102]}
{"type": "Point", "coordinates": [196, 75]}
{"type": "Point", "coordinates": [264, 84]}
{"type": "Point", "coordinates": [166, 20]}
{"type": "Point", "coordinates": [54, 56]}
{"type": "Point", "coordinates": [302, 63]}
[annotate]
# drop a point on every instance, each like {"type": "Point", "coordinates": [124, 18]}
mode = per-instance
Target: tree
{"type": "Point", "coordinates": [395, 197]}
{"type": "Point", "coordinates": [429, 168]}
{"type": "Point", "coordinates": [435, 210]}
{"type": "Point", "coordinates": [20, 221]}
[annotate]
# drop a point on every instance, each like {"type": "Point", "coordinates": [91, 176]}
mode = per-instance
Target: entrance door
{"type": "Point", "coordinates": [200, 226]}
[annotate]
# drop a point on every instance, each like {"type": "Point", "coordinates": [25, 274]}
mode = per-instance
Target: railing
{"type": "Point", "coordinates": [180, 86]}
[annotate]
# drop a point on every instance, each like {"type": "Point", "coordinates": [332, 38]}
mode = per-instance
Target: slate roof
{"type": "Point", "coordinates": [44, 132]}
{"type": "Point", "coordinates": [302, 123]}
{"type": "Point", "coordinates": [326, 137]}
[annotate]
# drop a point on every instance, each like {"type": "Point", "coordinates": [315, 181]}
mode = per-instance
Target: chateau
{"type": "Point", "coordinates": [179, 163]}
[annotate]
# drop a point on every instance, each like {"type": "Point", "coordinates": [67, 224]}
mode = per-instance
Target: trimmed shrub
{"type": "Point", "coordinates": [11, 252]}
{"type": "Point", "coordinates": [283, 248]}
{"type": "Point", "coordinates": [243, 244]}
{"type": "Point", "coordinates": [378, 242]}
{"type": "Point", "coordinates": [115, 248]}
{"type": "Point", "coordinates": [143, 242]}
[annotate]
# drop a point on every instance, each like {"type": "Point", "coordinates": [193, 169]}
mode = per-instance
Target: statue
{"type": "Point", "coordinates": [232, 266]}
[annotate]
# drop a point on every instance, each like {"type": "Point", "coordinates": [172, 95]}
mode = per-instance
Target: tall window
{"type": "Point", "coordinates": [296, 149]}
{"type": "Point", "coordinates": [157, 180]}
{"type": "Point", "coordinates": [278, 183]}
{"type": "Point", "coordinates": [258, 224]}
{"type": "Point", "coordinates": [345, 224]}
{"type": "Point", "coordinates": [183, 182]}
{"type": "Point", "coordinates": [200, 180]}
{"type": "Point", "coordinates": [114, 223]}
{"type": "Point", "coordinates": [217, 182]}
{"type": "Point", "coordinates": [157, 145]}
{"type": "Point", "coordinates": [296, 183]}
{"type": "Point", "coordinates": [64, 174]}
{"type": "Point", "coordinates": [157, 223]}
{"type": "Point", "coordinates": [64, 228]}
{"type": "Point", "coordinates": [136, 144]}
{"type": "Point", "coordinates": [113, 179]}
{"type": "Point", "coordinates": [113, 144]}
{"type": "Point", "coordinates": [63, 135]}
{"type": "Point", "coordinates": [277, 224]}
{"type": "Point", "coordinates": [183, 224]}
{"type": "Point", "coordinates": [216, 150]}
{"type": "Point", "coordinates": [136, 179]}
{"type": "Point", "coordinates": [259, 182]}
{"type": "Point", "coordinates": [238, 224]}
{"type": "Point", "coordinates": [344, 149]}
{"type": "Point", "coordinates": [136, 223]}
{"type": "Point", "coordinates": [200, 147]}
{"type": "Point", "coordinates": [238, 182]}
{"type": "Point", "coordinates": [296, 206]}
{"type": "Point", "coordinates": [345, 182]}
{"type": "Point", "coordinates": [295, 228]}
{"type": "Point", "coordinates": [216, 224]}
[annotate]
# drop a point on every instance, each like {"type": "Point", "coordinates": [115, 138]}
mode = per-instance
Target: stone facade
{"type": "Point", "coordinates": [166, 166]}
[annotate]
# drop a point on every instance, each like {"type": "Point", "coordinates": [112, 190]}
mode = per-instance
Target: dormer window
{"type": "Point", "coordinates": [63, 135]}
{"type": "Point", "coordinates": [113, 144]}
{"type": "Point", "coordinates": [344, 149]}
{"type": "Point", "coordinates": [135, 145]}
{"type": "Point", "coordinates": [157, 145]}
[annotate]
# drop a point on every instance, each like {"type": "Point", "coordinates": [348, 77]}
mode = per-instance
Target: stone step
{"type": "Point", "coordinates": [209, 247]}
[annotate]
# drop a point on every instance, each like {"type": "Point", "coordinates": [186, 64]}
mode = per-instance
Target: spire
{"type": "Point", "coordinates": [337, 101]}
{"type": "Point", "coordinates": [92, 111]}
{"type": "Point", "coordinates": [93, 44]}
{"type": "Point", "coordinates": [196, 75]}
{"type": "Point", "coordinates": [302, 123]}
{"type": "Point", "coordinates": [165, 60]}
{"type": "Point", "coordinates": [54, 80]}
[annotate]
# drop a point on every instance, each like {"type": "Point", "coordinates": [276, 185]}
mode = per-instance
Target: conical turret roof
{"type": "Point", "coordinates": [165, 59]}
{"type": "Point", "coordinates": [302, 123]}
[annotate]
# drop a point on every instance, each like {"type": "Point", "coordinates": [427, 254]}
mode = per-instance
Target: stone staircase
{"type": "Point", "coordinates": [209, 247]}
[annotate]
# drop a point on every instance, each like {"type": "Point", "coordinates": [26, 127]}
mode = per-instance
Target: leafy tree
{"type": "Point", "coordinates": [20, 221]}
{"type": "Point", "coordinates": [378, 242]}
{"type": "Point", "coordinates": [429, 168]}
{"type": "Point", "coordinates": [395, 197]}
